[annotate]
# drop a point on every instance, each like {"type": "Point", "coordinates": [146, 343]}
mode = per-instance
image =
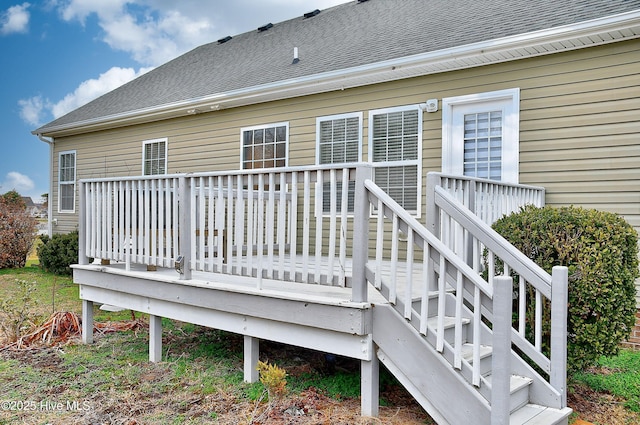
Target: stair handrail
{"type": "Point", "coordinates": [550, 286]}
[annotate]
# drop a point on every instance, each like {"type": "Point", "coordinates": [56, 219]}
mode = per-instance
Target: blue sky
{"type": "Point", "coordinates": [60, 54]}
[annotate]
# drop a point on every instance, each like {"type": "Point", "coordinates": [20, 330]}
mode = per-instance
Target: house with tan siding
{"type": "Point", "coordinates": [281, 182]}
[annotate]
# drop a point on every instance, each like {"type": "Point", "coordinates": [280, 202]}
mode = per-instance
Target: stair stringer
{"type": "Point", "coordinates": [425, 372]}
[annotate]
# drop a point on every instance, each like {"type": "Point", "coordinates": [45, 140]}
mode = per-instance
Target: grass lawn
{"type": "Point", "coordinates": [200, 379]}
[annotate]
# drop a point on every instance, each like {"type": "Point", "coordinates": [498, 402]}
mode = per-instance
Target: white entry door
{"type": "Point", "coordinates": [480, 134]}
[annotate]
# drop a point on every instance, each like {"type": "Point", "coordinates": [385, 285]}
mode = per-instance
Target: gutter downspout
{"type": "Point", "coordinates": [50, 142]}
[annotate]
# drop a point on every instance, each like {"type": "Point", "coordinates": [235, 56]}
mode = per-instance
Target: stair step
{"type": "Point", "coordinates": [449, 327]}
{"type": "Point", "coordinates": [485, 356]}
{"type": "Point", "coordinates": [518, 388]}
{"type": "Point", "coordinates": [533, 414]}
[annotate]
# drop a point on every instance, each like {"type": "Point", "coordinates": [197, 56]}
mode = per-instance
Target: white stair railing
{"type": "Point", "coordinates": [541, 298]}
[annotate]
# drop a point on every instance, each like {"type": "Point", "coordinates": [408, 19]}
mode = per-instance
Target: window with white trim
{"type": "Point", "coordinates": [67, 182]}
{"type": "Point", "coordinates": [154, 157]}
{"type": "Point", "coordinates": [265, 146]}
{"type": "Point", "coordinates": [480, 135]}
{"type": "Point", "coordinates": [339, 141]}
{"type": "Point", "coordinates": [395, 143]}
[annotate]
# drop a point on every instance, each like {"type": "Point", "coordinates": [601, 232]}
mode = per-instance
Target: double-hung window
{"type": "Point", "coordinates": [67, 181]}
{"type": "Point", "coordinates": [339, 141]}
{"type": "Point", "coordinates": [395, 143]}
{"type": "Point", "coordinates": [154, 157]}
{"type": "Point", "coordinates": [265, 146]}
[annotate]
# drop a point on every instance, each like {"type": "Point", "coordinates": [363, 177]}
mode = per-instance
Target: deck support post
{"type": "Point", "coordinates": [369, 386]}
{"type": "Point", "coordinates": [501, 356]}
{"type": "Point", "coordinates": [87, 322]}
{"type": "Point", "coordinates": [251, 356]}
{"type": "Point", "coordinates": [155, 338]}
{"type": "Point", "coordinates": [360, 235]}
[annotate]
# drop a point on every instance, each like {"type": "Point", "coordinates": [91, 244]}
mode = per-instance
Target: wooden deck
{"type": "Point", "coordinates": [372, 283]}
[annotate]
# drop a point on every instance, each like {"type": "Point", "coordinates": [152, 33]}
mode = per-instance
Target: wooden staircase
{"type": "Point", "coordinates": [445, 392]}
{"type": "Point", "coordinates": [454, 329]}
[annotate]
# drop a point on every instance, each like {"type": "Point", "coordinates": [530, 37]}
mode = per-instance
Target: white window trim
{"type": "Point", "coordinates": [60, 183]}
{"type": "Point", "coordinates": [511, 150]}
{"type": "Point", "coordinates": [418, 160]}
{"type": "Point", "coordinates": [337, 117]}
{"type": "Point", "coordinates": [166, 148]}
{"type": "Point", "coordinates": [263, 126]}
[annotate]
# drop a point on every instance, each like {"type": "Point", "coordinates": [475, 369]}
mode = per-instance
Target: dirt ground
{"type": "Point", "coordinates": [311, 406]}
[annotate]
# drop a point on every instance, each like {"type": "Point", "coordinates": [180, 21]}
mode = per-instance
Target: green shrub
{"type": "Point", "coordinates": [58, 252]}
{"type": "Point", "coordinates": [600, 250]}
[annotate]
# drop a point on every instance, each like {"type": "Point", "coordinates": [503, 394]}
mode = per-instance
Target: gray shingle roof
{"type": "Point", "coordinates": [345, 36]}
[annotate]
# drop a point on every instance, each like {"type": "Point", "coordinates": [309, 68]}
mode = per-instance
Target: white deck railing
{"type": "Point", "coordinates": [251, 223]}
{"type": "Point", "coordinates": [539, 300]}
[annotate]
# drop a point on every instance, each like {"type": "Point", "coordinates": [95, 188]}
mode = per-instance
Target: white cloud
{"type": "Point", "coordinates": [32, 110]}
{"type": "Point", "coordinates": [151, 36]}
{"type": "Point", "coordinates": [15, 19]}
{"type": "Point", "coordinates": [93, 88]}
{"type": "Point", "coordinates": [36, 109]}
{"type": "Point", "coordinates": [18, 182]}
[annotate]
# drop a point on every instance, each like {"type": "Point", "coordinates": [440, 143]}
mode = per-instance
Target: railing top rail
{"type": "Point", "coordinates": [276, 170]}
{"type": "Point", "coordinates": [516, 260]}
{"type": "Point", "coordinates": [480, 180]}
{"type": "Point", "coordinates": [429, 237]}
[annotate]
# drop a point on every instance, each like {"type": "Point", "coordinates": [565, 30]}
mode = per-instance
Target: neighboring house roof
{"type": "Point", "coordinates": [28, 202]}
{"type": "Point", "coordinates": [354, 44]}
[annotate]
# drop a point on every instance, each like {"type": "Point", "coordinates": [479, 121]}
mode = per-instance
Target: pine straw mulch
{"type": "Point", "coordinates": [64, 328]}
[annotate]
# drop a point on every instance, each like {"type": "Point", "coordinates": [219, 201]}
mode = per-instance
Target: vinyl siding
{"type": "Point", "coordinates": [579, 127]}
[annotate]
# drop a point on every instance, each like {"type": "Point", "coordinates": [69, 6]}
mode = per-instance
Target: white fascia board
{"type": "Point", "coordinates": [504, 49]}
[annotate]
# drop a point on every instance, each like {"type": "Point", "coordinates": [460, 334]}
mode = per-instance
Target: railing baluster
{"type": "Point", "coordinates": [457, 361]}
{"type": "Point", "coordinates": [293, 220]}
{"type": "Point", "coordinates": [109, 221]}
{"type": "Point", "coordinates": [408, 300]}
{"type": "Point", "coordinates": [138, 226]}
{"type": "Point", "coordinates": [147, 223]}
{"type": "Point", "coordinates": [332, 226]}
{"type": "Point", "coordinates": [442, 282]}
{"type": "Point", "coordinates": [261, 229]}
{"type": "Point", "coordinates": [538, 321]}
{"type": "Point", "coordinates": [153, 227]}
{"type": "Point", "coordinates": [160, 248]}
{"type": "Point", "coordinates": [344, 204]}
{"type": "Point", "coordinates": [270, 229]}
{"type": "Point", "coordinates": [211, 222]}
{"type": "Point", "coordinates": [240, 223]}
{"type": "Point", "coordinates": [394, 260]}
{"type": "Point", "coordinates": [230, 233]}
{"type": "Point", "coordinates": [250, 224]}
{"type": "Point", "coordinates": [128, 225]}
{"type": "Point", "coordinates": [220, 224]}
{"type": "Point", "coordinates": [427, 266]}
{"type": "Point", "coordinates": [200, 234]}
{"type": "Point", "coordinates": [477, 323]}
{"type": "Point", "coordinates": [282, 229]}
{"type": "Point", "coordinates": [522, 305]}
{"type": "Point", "coordinates": [318, 210]}
{"type": "Point", "coordinates": [306, 222]}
